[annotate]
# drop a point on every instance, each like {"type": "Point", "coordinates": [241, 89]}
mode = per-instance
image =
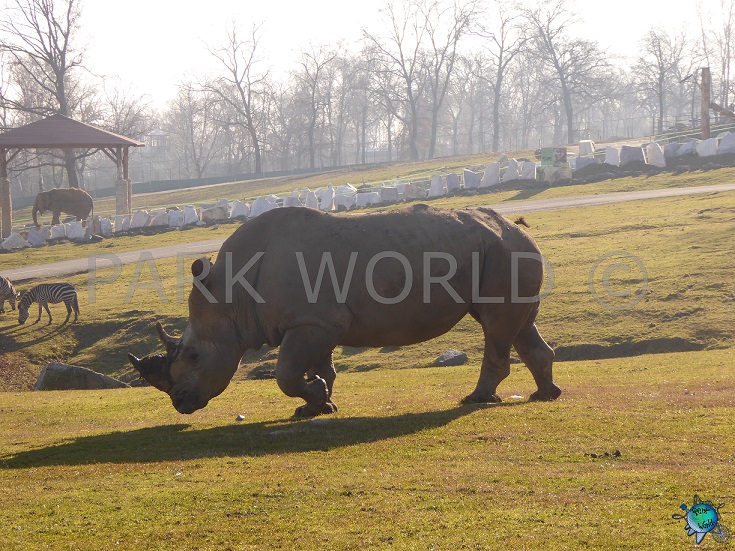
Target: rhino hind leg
{"type": "Point", "coordinates": [538, 357]}
{"type": "Point", "coordinates": [495, 368]}
{"type": "Point", "coordinates": [307, 350]}
{"type": "Point", "coordinates": [496, 359]}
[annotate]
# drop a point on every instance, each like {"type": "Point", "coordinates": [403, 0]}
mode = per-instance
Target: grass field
{"type": "Point", "coordinates": [403, 465]}
{"type": "Point", "coordinates": [683, 245]}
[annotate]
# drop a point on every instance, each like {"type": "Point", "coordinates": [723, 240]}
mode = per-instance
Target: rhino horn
{"type": "Point", "coordinates": [155, 369]}
{"type": "Point", "coordinates": [135, 361]}
{"type": "Point", "coordinates": [167, 340]}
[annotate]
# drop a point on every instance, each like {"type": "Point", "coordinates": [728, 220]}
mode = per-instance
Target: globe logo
{"type": "Point", "coordinates": [703, 519]}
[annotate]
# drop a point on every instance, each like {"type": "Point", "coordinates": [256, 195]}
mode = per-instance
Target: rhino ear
{"type": "Point", "coordinates": [200, 268]}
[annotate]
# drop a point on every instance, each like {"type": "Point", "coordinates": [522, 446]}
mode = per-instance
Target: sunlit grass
{"type": "Point", "coordinates": [401, 465]}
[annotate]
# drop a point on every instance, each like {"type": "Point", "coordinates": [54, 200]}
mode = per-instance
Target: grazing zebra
{"type": "Point", "coordinates": [45, 293]}
{"type": "Point", "coordinates": [7, 292]}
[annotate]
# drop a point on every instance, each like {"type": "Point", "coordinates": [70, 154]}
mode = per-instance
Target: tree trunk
{"type": "Point", "coordinates": [70, 163]}
{"type": "Point", "coordinates": [481, 130]}
{"type": "Point", "coordinates": [496, 120]}
{"type": "Point", "coordinates": [412, 137]}
{"type": "Point", "coordinates": [390, 142]}
{"type": "Point", "coordinates": [434, 130]}
{"type": "Point", "coordinates": [569, 111]}
{"type": "Point", "coordinates": [496, 105]}
{"type": "Point", "coordinates": [312, 153]}
{"type": "Point", "coordinates": [661, 107]}
{"type": "Point", "coordinates": [364, 139]}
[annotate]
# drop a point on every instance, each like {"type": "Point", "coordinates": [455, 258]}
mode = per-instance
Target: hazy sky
{"type": "Point", "coordinates": [152, 45]}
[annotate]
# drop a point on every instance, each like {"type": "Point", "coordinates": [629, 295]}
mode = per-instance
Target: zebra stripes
{"type": "Point", "coordinates": [45, 293]}
{"type": "Point", "coordinates": [7, 292]}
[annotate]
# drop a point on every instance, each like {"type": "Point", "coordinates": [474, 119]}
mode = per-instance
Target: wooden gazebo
{"type": "Point", "coordinates": [60, 132]}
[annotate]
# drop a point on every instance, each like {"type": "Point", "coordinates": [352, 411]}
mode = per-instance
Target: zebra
{"type": "Point", "coordinates": [7, 292]}
{"type": "Point", "coordinates": [45, 293]}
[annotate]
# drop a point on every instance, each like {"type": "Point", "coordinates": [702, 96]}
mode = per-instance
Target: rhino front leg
{"type": "Point", "coordinates": [307, 349]}
{"type": "Point", "coordinates": [325, 370]}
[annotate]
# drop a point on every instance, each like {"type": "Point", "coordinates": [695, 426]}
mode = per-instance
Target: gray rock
{"type": "Point", "coordinates": [59, 376]}
{"type": "Point", "coordinates": [215, 214]}
{"type": "Point", "coordinates": [671, 150]}
{"type": "Point", "coordinates": [35, 238]}
{"type": "Point", "coordinates": [452, 181]}
{"type": "Point", "coordinates": [583, 162]}
{"type": "Point", "coordinates": [451, 357]}
{"type": "Point", "coordinates": [388, 194]}
{"type": "Point", "coordinates": [14, 241]}
{"type": "Point", "coordinates": [629, 154]}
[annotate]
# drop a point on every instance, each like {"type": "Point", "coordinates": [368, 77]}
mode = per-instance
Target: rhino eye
{"type": "Point", "coordinates": [194, 356]}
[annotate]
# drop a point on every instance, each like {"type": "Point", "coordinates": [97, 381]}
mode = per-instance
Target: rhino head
{"type": "Point", "coordinates": [198, 365]}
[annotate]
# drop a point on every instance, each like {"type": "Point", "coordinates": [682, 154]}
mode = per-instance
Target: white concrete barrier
{"type": "Point", "coordinates": [612, 156]}
{"type": "Point", "coordinates": [437, 186]}
{"type": "Point", "coordinates": [491, 176]}
{"type": "Point", "coordinates": [471, 179]}
{"type": "Point", "coordinates": [655, 155]}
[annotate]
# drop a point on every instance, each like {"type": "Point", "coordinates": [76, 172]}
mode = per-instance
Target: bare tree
{"type": "Point", "coordinates": [445, 27]}
{"type": "Point", "coordinates": [192, 120]}
{"type": "Point", "coordinates": [312, 76]}
{"type": "Point", "coordinates": [39, 38]}
{"type": "Point", "coordinates": [241, 83]}
{"type": "Point", "coordinates": [506, 41]}
{"type": "Point", "coordinates": [399, 54]}
{"type": "Point", "coordinates": [656, 69]}
{"type": "Point", "coordinates": [718, 44]}
{"type": "Point", "coordinates": [282, 122]}
{"type": "Point", "coordinates": [126, 113]}
{"type": "Point", "coordinates": [576, 62]}
{"type": "Point", "coordinates": [382, 85]}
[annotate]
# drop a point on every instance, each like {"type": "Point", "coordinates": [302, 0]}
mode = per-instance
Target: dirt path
{"type": "Point", "coordinates": [81, 265]}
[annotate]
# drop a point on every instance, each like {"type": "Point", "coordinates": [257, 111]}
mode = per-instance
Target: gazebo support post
{"type": "Point", "coordinates": [121, 189]}
{"type": "Point", "coordinates": [126, 177]}
{"type": "Point", "coordinates": [6, 204]}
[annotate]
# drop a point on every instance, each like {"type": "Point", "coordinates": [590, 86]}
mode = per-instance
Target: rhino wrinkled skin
{"type": "Point", "coordinates": [261, 291]}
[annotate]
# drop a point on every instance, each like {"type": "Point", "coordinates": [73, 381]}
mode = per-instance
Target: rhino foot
{"type": "Point", "coordinates": [306, 411]}
{"type": "Point", "coordinates": [547, 396]}
{"type": "Point", "coordinates": [329, 407]}
{"type": "Point", "coordinates": [476, 398]}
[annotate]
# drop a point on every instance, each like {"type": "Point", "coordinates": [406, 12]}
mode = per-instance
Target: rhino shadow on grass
{"type": "Point", "coordinates": [179, 442]}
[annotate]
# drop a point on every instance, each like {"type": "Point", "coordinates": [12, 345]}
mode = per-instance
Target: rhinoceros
{"type": "Point", "coordinates": [308, 281]}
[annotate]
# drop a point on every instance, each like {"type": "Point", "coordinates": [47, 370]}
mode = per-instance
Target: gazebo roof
{"type": "Point", "coordinates": [58, 131]}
